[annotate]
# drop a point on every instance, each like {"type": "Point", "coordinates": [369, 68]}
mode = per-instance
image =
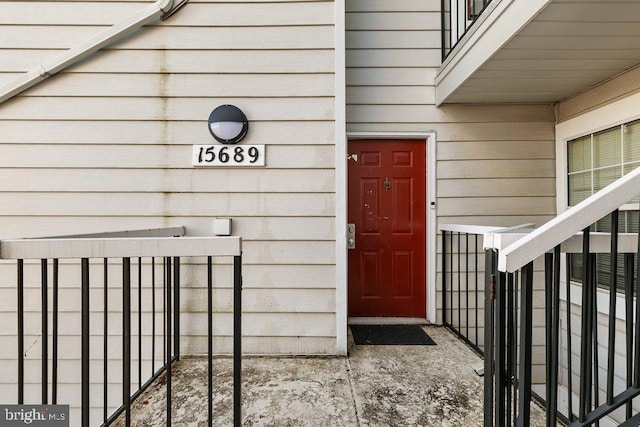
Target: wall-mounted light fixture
{"type": "Point", "coordinates": [228, 124]}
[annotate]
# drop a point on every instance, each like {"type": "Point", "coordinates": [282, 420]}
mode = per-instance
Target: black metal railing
{"type": "Point", "coordinates": [462, 296]}
{"type": "Point", "coordinates": [508, 354]}
{"type": "Point", "coordinates": [582, 383]}
{"type": "Point", "coordinates": [463, 278]}
{"type": "Point", "coordinates": [143, 330]}
{"type": "Point", "coordinates": [457, 16]}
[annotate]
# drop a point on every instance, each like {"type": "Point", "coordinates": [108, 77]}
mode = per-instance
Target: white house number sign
{"type": "Point", "coordinates": [228, 155]}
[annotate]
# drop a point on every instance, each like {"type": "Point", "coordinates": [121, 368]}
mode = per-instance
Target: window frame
{"type": "Point", "coordinates": [614, 114]}
{"type": "Point", "coordinates": [471, 16]}
{"type": "Point", "coordinates": [598, 119]}
{"type": "Point", "coordinates": [593, 168]}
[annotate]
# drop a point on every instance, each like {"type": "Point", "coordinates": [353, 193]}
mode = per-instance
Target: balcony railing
{"type": "Point", "coordinates": [550, 332]}
{"type": "Point", "coordinates": [463, 287]}
{"type": "Point", "coordinates": [134, 316]}
{"type": "Point", "coordinates": [457, 17]}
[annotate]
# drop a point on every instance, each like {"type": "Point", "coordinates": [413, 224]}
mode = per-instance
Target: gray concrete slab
{"type": "Point", "coordinates": [417, 385]}
{"type": "Point", "coordinates": [373, 386]}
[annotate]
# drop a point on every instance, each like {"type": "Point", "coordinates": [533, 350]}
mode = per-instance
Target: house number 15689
{"type": "Point", "coordinates": [228, 155]}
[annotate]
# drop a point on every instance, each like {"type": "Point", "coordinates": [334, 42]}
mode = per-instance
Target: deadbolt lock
{"type": "Point", "coordinates": [351, 236]}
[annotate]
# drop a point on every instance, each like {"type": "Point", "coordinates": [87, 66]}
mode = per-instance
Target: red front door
{"type": "Point", "coordinates": [387, 195]}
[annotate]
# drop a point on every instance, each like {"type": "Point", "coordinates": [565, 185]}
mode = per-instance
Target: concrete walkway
{"type": "Point", "coordinates": [373, 386]}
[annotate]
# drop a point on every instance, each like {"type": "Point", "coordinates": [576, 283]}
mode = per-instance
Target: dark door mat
{"type": "Point", "coordinates": [390, 335]}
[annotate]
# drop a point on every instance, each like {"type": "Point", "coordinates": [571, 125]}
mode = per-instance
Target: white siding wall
{"type": "Point", "coordinates": [607, 92]}
{"type": "Point", "coordinates": [495, 163]}
{"type": "Point", "coordinates": [107, 144]}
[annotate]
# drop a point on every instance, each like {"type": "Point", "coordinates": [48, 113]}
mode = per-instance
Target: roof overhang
{"type": "Point", "coordinates": [540, 51]}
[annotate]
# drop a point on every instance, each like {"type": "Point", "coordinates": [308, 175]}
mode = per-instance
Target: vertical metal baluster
{"type": "Point", "coordinates": [613, 280]}
{"type": "Point", "coordinates": [548, 311]}
{"type": "Point", "coordinates": [105, 341]}
{"type": "Point", "coordinates": [555, 340]}
{"type": "Point", "coordinates": [444, 275]}
{"type": "Point", "coordinates": [490, 274]}
{"type": "Point", "coordinates": [126, 339]}
{"type": "Point", "coordinates": [628, 299]}
{"type": "Point", "coordinates": [524, 380]}
{"type": "Point", "coordinates": [45, 330]}
{"type": "Point", "coordinates": [139, 323]}
{"type": "Point", "coordinates": [86, 392]}
{"type": "Point", "coordinates": [466, 291]}
{"type": "Point", "coordinates": [442, 33]}
{"type": "Point", "coordinates": [476, 291]}
{"type": "Point", "coordinates": [569, 362]}
{"type": "Point", "coordinates": [500, 349]}
{"type": "Point", "coordinates": [176, 310]}
{"type": "Point", "coordinates": [164, 310]}
{"type": "Point", "coordinates": [636, 368]}
{"type": "Point", "coordinates": [510, 344]}
{"type": "Point", "coordinates": [451, 280]}
{"type": "Point", "coordinates": [586, 333]}
{"type": "Point", "coordinates": [237, 341]}
{"type": "Point", "coordinates": [169, 342]}
{"type": "Point", "coordinates": [514, 348]}
{"type": "Point", "coordinates": [594, 317]}
{"type": "Point", "coordinates": [450, 26]}
{"type": "Point", "coordinates": [459, 326]}
{"type": "Point", "coordinates": [54, 360]}
{"type": "Point", "coordinates": [210, 341]}
{"type": "Point", "coordinates": [20, 272]}
{"type": "Point", "coordinates": [153, 315]}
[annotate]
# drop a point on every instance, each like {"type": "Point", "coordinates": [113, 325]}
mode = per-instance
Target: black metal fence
{"type": "Point", "coordinates": [462, 295]}
{"type": "Point", "coordinates": [457, 17]}
{"type": "Point", "coordinates": [147, 321]}
{"type": "Point", "coordinates": [591, 352]}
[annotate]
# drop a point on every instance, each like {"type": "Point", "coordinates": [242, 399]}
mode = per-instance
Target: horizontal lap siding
{"type": "Point", "coordinates": [217, 62]}
{"type": "Point", "coordinates": [495, 163]}
{"type": "Point", "coordinates": [620, 354]}
{"type": "Point", "coordinates": [626, 84]}
{"type": "Point", "coordinates": [107, 144]}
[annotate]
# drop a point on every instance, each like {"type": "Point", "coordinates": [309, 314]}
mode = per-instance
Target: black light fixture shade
{"type": "Point", "coordinates": [228, 124]}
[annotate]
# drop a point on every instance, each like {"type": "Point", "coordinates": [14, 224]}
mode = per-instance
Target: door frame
{"type": "Point", "coordinates": [431, 217]}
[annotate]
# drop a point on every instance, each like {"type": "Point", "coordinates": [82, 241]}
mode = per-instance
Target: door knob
{"type": "Point", "coordinates": [386, 184]}
{"type": "Point", "coordinates": [351, 236]}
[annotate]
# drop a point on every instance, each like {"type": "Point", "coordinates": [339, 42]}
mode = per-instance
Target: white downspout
{"type": "Point", "coordinates": [50, 67]}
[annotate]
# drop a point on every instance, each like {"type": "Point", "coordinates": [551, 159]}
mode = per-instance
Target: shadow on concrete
{"type": "Point", "coordinates": [373, 386]}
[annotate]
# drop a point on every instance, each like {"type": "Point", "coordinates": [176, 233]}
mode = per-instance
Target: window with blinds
{"type": "Point", "coordinates": [474, 7]}
{"type": "Point", "coordinates": [595, 161]}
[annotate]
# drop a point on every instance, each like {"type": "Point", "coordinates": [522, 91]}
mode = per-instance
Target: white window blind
{"type": "Point", "coordinates": [595, 161]}
{"type": "Point", "coordinates": [475, 7]}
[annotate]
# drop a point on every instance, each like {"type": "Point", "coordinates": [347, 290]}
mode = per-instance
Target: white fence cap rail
{"type": "Point", "coordinates": [146, 232]}
{"type": "Point", "coordinates": [493, 237]}
{"type": "Point", "coordinates": [471, 229]}
{"type": "Point", "coordinates": [565, 225]}
{"type": "Point", "coordinates": [599, 243]}
{"type": "Point", "coordinates": [120, 247]}
{"type": "Point", "coordinates": [484, 229]}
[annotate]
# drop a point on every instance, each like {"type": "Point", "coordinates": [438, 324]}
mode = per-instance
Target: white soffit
{"type": "Point", "coordinates": [541, 51]}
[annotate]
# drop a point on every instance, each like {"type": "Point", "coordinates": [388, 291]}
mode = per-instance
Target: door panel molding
{"type": "Point", "coordinates": [389, 175]}
{"type": "Point", "coordinates": [430, 139]}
